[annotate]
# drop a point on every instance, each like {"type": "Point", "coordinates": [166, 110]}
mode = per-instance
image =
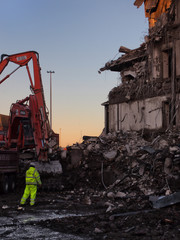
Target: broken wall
{"type": "Point", "coordinates": [177, 112]}
{"type": "Point", "coordinates": [154, 9]}
{"type": "Point", "coordinates": [137, 115]}
{"type": "Point", "coordinates": [156, 66]}
{"type": "Point", "coordinates": [177, 11]}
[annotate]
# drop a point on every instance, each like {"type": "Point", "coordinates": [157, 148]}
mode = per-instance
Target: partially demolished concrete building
{"type": "Point", "coordinates": [149, 94]}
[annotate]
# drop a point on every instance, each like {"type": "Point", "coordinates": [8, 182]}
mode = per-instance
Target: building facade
{"type": "Point", "coordinates": [149, 94]}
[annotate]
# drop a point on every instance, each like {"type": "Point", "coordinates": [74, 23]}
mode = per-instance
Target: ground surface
{"type": "Point", "coordinates": [105, 192]}
{"type": "Point", "coordinates": [65, 215]}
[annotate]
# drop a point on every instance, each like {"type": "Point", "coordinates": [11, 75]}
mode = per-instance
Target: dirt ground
{"type": "Point", "coordinates": [91, 221]}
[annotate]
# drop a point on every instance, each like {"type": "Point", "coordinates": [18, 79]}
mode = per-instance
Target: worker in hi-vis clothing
{"type": "Point", "coordinates": [32, 180]}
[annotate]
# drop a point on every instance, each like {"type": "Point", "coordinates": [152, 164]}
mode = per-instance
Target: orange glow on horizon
{"type": "Point", "coordinates": [71, 130]}
{"type": "Point", "coordinates": [68, 137]}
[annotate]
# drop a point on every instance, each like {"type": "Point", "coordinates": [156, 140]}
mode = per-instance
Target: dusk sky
{"type": "Point", "coordinates": [74, 38]}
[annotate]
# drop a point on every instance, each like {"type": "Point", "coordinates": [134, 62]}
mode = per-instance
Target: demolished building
{"type": "Point", "coordinates": [149, 94]}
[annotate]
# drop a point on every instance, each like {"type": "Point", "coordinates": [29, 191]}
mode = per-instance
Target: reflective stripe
{"type": "Point", "coordinates": [23, 200]}
{"type": "Point", "coordinates": [34, 173]}
{"type": "Point", "coordinates": [31, 183]}
{"type": "Point", "coordinates": [32, 201]}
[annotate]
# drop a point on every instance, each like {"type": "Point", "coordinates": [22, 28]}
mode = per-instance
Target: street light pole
{"type": "Point", "coordinates": [50, 97]}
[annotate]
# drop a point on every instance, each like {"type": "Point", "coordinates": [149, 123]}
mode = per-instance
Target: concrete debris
{"type": "Point", "coordinates": [5, 207]}
{"type": "Point", "coordinates": [125, 166]}
{"type": "Point", "coordinates": [164, 201]}
{"type": "Point", "coordinates": [63, 154]}
{"type": "Point", "coordinates": [110, 209]}
{"type": "Point", "coordinates": [87, 200]}
{"type": "Point", "coordinates": [148, 149]}
{"type": "Point", "coordinates": [124, 49]}
{"type": "Point", "coordinates": [97, 230]}
{"type": "Point", "coordinates": [120, 195]}
{"type": "Point", "coordinates": [110, 155]}
{"type": "Point", "coordinates": [20, 208]}
{"type": "Point", "coordinates": [110, 195]}
{"type": "Point", "coordinates": [138, 3]}
{"type": "Point", "coordinates": [167, 165]}
{"type": "Point", "coordinates": [90, 138]}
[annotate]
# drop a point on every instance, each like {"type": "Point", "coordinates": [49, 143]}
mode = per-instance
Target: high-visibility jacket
{"type": "Point", "coordinates": [32, 177]}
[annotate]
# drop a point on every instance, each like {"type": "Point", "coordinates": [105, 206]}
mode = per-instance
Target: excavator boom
{"type": "Point", "coordinates": [38, 116]}
{"type": "Point", "coordinates": [22, 59]}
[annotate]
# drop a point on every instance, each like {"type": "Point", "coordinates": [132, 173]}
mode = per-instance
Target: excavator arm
{"type": "Point", "coordinates": [39, 118]}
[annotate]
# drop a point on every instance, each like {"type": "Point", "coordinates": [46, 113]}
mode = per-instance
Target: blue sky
{"type": "Point", "coordinates": [74, 38]}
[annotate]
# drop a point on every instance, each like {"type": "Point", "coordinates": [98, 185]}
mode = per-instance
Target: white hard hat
{"type": "Point", "coordinates": [32, 164]}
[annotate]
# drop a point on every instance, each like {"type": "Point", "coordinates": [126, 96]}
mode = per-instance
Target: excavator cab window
{"type": "Point", "coordinates": [28, 132]}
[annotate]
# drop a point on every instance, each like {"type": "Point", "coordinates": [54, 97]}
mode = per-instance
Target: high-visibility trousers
{"type": "Point", "coordinates": [30, 190]}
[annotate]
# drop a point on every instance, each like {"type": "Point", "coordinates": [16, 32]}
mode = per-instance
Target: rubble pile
{"type": "Point", "coordinates": [121, 167]}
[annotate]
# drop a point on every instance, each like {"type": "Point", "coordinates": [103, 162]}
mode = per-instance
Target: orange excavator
{"type": "Point", "coordinates": [29, 127]}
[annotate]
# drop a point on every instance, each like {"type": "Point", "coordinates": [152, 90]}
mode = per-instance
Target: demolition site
{"type": "Point", "coordinates": [123, 184]}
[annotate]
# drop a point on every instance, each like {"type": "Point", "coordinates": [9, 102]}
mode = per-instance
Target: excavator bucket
{"type": "Point", "coordinates": [52, 167]}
